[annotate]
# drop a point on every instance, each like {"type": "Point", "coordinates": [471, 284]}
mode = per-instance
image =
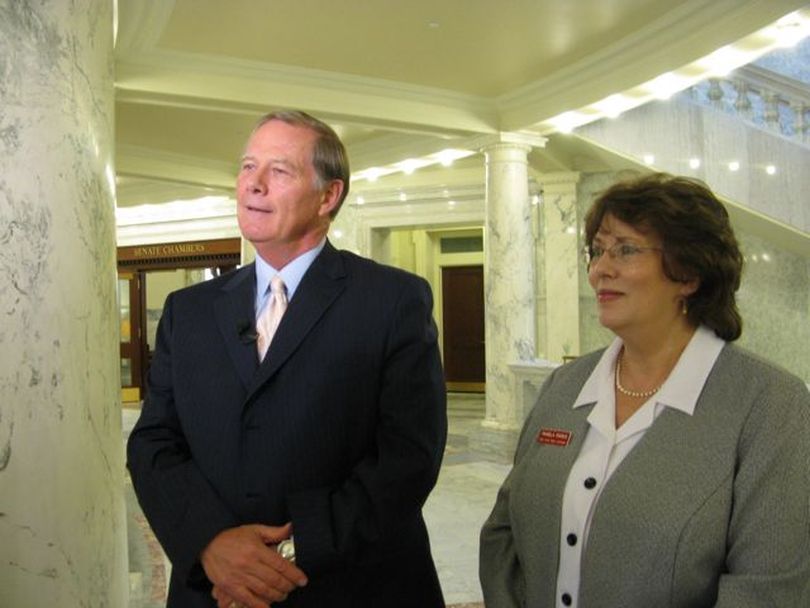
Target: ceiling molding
{"type": "Point", "coordinates": [395, 147]}
{"type": "Point", "coordinates": [141, 25]}
{"type": "Point", "coordinates": [176, 78]}
{"type": "Point", "coordinates": [136, 161]}
{"type": "Point", "coordinates": [679, 37]}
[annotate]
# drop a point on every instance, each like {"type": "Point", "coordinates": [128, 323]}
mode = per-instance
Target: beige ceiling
{"type": "Point", "coordinates": [477, 47]}
{"type": "Point", "coordinates": [396, 78]}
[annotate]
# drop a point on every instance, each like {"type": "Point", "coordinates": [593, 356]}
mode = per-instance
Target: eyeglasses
{"type": "Point", "coordinates": [622, 253]}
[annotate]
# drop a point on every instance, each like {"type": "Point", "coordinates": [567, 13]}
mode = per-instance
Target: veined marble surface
{"type": "Point", "coordinates": [561, 268]}
{"type": "Point", "coordinates": [510, 324]}
{"type": "Point", "coordinates": [62, 533]}
{"type": "Point", "coordinates": [684, 130]}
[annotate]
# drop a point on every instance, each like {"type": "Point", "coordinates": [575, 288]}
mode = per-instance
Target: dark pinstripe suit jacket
{"type": "Point", "coordinates": [340, 430]}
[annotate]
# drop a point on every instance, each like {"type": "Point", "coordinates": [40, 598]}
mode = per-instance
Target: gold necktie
{"type": "Point", "coordinates": [271, 316]}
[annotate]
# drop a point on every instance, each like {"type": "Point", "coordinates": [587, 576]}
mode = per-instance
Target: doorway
{"type": "Point", "coordinates": [130, 307]}
{"type": "Point", "coordinates": [146, 275]}
{"type": "Point", "coordinates": [463, 317]}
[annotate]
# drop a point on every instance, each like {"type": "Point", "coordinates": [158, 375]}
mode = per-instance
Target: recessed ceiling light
{"type": "Point", "coordinates": [694, 163]}
{"type": "Point", "coordinates": [613, 105]}
{"type": "Point", "coordinates": [734, 166]}
{"type": "Point", "coordinates": [791, 29]}
{"type": "Point", "coordinates": [567, 121]}
{"type": "Point", "coordinates": [666, 85]}
{"type": "Point", "coordinates": [770, 169]}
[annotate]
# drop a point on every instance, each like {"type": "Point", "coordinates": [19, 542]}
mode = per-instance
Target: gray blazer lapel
{"type": "Point", "coordinates": [688, 451]}
{"type": "Point", "coordinates": [320, 287]}
{"type": "Point", "coordinates": [555, 411]}
{"type": "Point", "coordinates": [543, 468]}
{"type": "Point", "coordinates": [680, 462]}
{"type": "Point", "coordinates": [235, 315]}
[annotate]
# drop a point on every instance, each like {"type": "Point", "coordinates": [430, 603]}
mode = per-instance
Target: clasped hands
{"type": "Point", "coordinates": [245, 568]}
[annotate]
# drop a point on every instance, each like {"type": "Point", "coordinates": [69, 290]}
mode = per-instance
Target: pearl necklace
{"type": "Point", "coordinates": [628, 392]}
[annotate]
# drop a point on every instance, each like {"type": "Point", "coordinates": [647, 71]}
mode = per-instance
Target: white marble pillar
{"type": "Point", "coordinates": [62, 514]}
{"type": "Point", "coordinates": [509, 282]}
{"type": "Point", "coordinates": [558, 274]}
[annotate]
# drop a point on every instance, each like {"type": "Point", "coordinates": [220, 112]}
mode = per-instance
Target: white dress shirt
{"type": "Point", "coordinates": [604, 446]}
{"type": "Point", "coordinates": [291, 274]}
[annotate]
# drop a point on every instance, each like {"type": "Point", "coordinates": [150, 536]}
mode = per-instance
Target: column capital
{"type": "Point", "coordinates": [508, 139]}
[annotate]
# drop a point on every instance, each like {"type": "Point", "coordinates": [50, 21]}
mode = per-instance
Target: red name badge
{"type": "Point", "coordinates": [556, 437]}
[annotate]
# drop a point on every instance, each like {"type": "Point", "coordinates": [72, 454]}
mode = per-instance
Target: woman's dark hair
{"type": "Point", "coordinates": [697, 241]}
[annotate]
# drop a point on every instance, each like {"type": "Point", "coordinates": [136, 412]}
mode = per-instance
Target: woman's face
{"type": "Point", "coordinates": [632, 291]}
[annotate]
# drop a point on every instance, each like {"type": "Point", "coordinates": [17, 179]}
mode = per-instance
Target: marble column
{"type": "Point", "coordinates": [559, 272]}
{"type": "Point", "coordinates": [509, 285]}
{"type": "Point", "coordinates": [62, 514]}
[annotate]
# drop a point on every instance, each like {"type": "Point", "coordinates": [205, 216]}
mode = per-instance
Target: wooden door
{"type": "Point", "coordinates": [130, 302]}
{"type": "Point", "coordinates": [463, 327]}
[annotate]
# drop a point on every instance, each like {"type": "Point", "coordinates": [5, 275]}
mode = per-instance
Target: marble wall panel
{"type": "Point", "coordinates": [62, 531]}
{"type": "Point", "coordinates": [684, 131]}
{"type": "Point", "coordinates": [774, 301]}
{"type": "Point", "coordinates": [561, 269]}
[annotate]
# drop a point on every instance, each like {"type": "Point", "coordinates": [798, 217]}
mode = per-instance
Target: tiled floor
{"type": "Point", "coordinates": [454, 512]}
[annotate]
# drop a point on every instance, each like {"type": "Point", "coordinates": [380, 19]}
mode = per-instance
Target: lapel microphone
{"type": "Point", "coordinates": [247, 332]}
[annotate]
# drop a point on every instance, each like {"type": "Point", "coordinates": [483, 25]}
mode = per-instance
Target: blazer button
{"type": "Point", "coordinates": [566, 599]}
{"type": "Point", "coordinates": [590, 483]}
{"type": "Point", "coordinates": [571, 539]}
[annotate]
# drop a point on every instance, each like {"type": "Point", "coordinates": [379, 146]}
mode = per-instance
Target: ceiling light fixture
{"type": "Point", "coordinates": [790, 30]}
{"type": "Point", "coordinates": [727, 59]}
{"type": "Point", "coordinates": [412, 164]}
{"type": "Point", "coordinates": [666, 85]}
{"type": "Point", "coordinates": [785, 32]}
{"type": "Point", "coordinates": [568, 121]}
{"type": "Point", "coordinates": [613, 105]}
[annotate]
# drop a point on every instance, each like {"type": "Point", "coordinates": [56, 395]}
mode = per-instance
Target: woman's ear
{"type": "Point", "coordinates": [689, 287]}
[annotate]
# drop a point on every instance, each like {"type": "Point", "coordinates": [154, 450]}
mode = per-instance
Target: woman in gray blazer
{"type": "Point", "coordinates": [671, 469]}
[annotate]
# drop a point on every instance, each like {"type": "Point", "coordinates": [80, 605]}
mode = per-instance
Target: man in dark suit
{"type": "Point", "coordinates": [296, 478]}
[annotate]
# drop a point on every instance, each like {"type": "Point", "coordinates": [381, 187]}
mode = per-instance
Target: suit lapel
{"type": "Point", "coordinates": [320, 287]}
{"type": "Point", "coordinates": [235, 314]}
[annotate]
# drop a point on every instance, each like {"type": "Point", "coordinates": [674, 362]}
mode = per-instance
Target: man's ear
{"type": "Point", "coordinates": [331, 197]}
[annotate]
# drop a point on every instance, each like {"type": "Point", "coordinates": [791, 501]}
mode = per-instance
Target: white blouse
{"type": "Point", "coordinates": [604, 446]}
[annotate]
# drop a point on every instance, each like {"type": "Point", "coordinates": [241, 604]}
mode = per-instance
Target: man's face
{"type": "Point", "coordinates": [280, 208]}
